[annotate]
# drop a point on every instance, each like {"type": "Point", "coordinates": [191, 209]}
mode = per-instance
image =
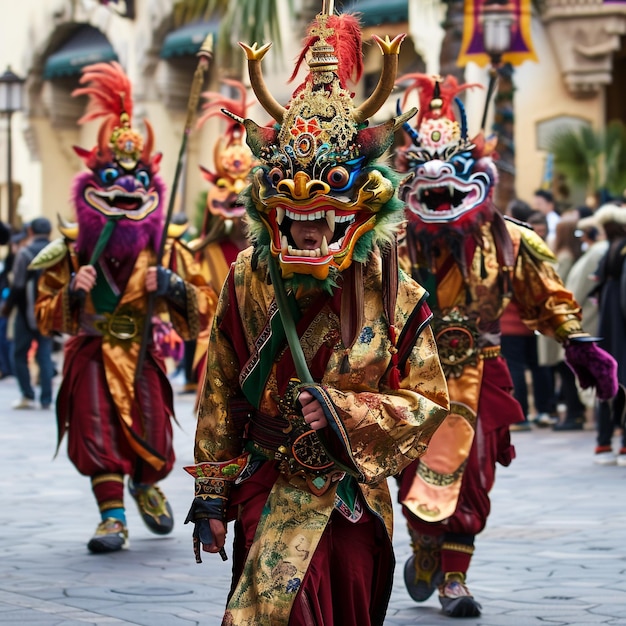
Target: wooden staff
{"type": "Point", "coordinates": [205, 54]}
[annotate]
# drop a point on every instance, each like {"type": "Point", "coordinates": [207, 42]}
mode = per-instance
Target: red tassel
{"type": "Point", "coordinates": [394, 376]}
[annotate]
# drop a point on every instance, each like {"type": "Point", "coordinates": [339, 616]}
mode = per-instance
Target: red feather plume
{"type": "Point", "coordinates": [109, 91]}
{"type": "Point", "coordinates": [214, 102]}
{"type": "Point", "coordinates": [424, 84]}
{"type": "Point", "coordinates": [346, 41]}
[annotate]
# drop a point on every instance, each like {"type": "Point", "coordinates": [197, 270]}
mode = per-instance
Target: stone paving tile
{"type": "Point", "coordinates": [553, 552]}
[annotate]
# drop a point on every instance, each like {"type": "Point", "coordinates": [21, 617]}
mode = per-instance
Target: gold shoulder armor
{"type": "Point", "coordinates": [536, 245]}
{"type": "Point", "coordinates": [68, 229]}
{"type": "Point", "coordinates": [50, 255]}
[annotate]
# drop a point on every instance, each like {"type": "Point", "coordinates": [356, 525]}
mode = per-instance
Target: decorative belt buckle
{"type": "Point", "coordinates": [456, 339]}
{"type": "Point", "coordinates": [123, 327]}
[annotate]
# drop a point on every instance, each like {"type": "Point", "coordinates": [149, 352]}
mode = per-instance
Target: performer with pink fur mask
{"type": "Point", "coordinates": [95, 287]}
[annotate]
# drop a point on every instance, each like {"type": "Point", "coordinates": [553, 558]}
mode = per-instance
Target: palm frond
{"type": "Point", "coordinates": [575, 155]}
{"type": "Point", "coordinates": [615, 157]}
{"type": "Point", "coordinates": [241, 20]}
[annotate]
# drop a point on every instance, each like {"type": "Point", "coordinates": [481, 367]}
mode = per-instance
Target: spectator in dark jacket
{"type": "Point", "coordinates": [22, 296]}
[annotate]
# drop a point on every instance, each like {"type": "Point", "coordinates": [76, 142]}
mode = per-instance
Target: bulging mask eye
{"type": "Point", "coordinates": [143, 177]}
{"type": "Point", "coordinates": [275, 175]}
{"type": "Point", "coordinates": [338, 177]}
{"type": "Point", "coordinates": [109, 175]}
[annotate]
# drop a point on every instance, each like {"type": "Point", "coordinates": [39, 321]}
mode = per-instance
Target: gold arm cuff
{"type": "Point", "coordinates": [490, 352]}
{"type": "Point", "coordinates": [571, 327]}
{"type": "Point", "coordinates": [458, 547]}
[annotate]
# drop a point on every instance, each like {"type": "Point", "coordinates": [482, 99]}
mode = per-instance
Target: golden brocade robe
{"type": "Point", "coordinates": [384, 429]}
{"type": "Point", "coordinates": [467, 331]}
{"type": "Point", "coordinates": [121, 330]}
{"type": "Point", "coordinates": [214, 268]}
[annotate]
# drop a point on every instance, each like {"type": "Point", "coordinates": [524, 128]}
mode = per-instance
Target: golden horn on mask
{"type": "Point", "coordinates": [265, 98]}
{"type": "Point", "coordinates": [149, 143]}
{"type": "Point", "coordinates": [390, 50]}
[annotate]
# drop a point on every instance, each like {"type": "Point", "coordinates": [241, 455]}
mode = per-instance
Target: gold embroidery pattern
{"type": "Point", "coordinates": [439, 480]}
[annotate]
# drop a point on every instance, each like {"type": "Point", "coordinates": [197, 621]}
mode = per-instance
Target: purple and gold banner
{"type": "Point", "coordinates": [473, 45]}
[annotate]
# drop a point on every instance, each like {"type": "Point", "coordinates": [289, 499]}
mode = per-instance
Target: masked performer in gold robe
{"type": "Point", "coordinates": [322, 378]}
{"type": "Point", "coordinates": [223, 233]}
{"type": "Point", "coordinates": [473, 263]}
{"type": "Point", "coordinates": [95, 287]}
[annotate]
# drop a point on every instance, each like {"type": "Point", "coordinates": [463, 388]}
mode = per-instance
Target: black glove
{"type": "Point", "coordinates": [171, 286]}
{"type": "Point", "coordinates": [202, 510]}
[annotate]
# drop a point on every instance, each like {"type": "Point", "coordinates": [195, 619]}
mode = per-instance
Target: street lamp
{"type": "Point", "coordinates": [497, 19]}
{"type": "Point", "coordinates": [11, 87]}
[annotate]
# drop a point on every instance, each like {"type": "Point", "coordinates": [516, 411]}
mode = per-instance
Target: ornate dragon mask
{"type": "Point", "coordinates": [232, 157]}
{"type": "Point", "coordinates": [451, 178]}
{"type": "Point", "coordinates": [317, 163]}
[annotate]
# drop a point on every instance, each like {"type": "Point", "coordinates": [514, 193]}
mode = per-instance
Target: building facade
{"type": "Point", "coordinates": [579, 44]}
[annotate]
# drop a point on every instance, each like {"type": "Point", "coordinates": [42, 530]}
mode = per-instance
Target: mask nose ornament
{"type": "Point", "coordinates": [302, 187]}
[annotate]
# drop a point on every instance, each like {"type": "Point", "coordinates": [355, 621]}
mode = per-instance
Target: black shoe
{"type": "Point", "coordinates": [569, 425]}
{"type": "Point", "coordinates": [456, 599]}
{"type": "Point", "coordinates": [154, 508]}
{"type": "Point", "coordinates": [422, 572]}
{"type": "Point", "coordinates": [111, 536]}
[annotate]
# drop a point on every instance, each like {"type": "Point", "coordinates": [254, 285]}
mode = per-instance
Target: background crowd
{"type": "Point", "coordinates": [587, 244]}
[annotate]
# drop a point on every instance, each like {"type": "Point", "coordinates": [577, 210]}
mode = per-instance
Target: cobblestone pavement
{"type": "Point", "coordinates": [554, 551]}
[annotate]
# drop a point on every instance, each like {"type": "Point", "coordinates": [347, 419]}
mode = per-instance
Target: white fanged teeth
{"type": "Point", "coordinates": [284, 246]}
{"type": "Point", "coordinates": [324, 247]}
{"type": "Point", "coordinates": [291, 251]}
{"type": "Point", "coordinates": [330, 220]}
{"type": "Point", "coordinates": [336, 246]}
{"type": "Point", "coordinates": [280, 215]}
{"type": "Point", "coordinates": [451, 189]}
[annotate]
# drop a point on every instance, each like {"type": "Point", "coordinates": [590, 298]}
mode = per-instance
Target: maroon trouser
{"type": "Point", "coordinates": [497, 409]}
{"type": "Point", "coordinates": [96, 442]}
{"type": "Point", "coordinates": [348, 582]}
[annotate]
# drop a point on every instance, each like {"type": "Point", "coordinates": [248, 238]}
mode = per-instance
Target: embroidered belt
{"type": "Point", "coordinates": [301, 457]}
{"type": "Point", "coordinates": [118, 327]}
{"type": "Point", "coordinates": [458, 343]}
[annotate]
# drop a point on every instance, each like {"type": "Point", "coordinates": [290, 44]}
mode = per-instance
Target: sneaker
{"type": "Point", "coordinates": [45, 407]}
{"type": "Point", "coordinates": [153, 506]}
{"type": "Point", "coordinates": [621, 457]}
{"type": "Point", "coordinates": [520, 426]}
{"type": "Point", "coordinates": [111, 536]}
{"type": "Point", "coordinates": [422, 571]}
{"type": "Point", "coordinates": [456, 599]}
{"type": "Point", "coordinates": [23, 403]}
{"type": "Point", "coordinates": [544, 420]}
{"type": "Point", "coordinates": [604, 456]}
